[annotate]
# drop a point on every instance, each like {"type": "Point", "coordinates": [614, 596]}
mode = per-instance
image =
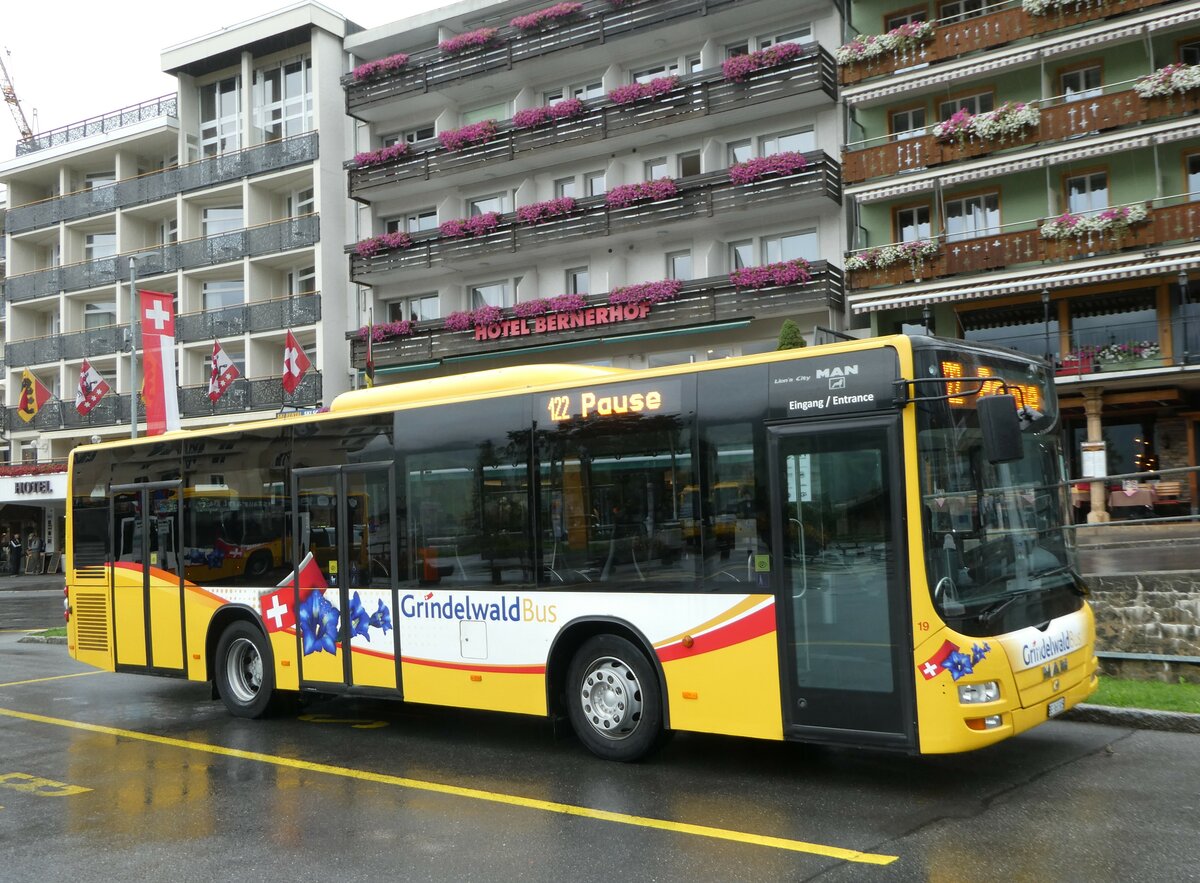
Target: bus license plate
{"type": "Point", "coordinates": [1056, 707]}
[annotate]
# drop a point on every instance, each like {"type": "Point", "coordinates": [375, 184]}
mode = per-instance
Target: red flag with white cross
{"type": "Point", "coordinates": [295, 363]}
{"type": "Point", "coordinates": [277, 608]}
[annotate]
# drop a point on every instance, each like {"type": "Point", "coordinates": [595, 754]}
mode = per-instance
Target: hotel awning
{"type": "Point", "coordinates": [1091, 272]}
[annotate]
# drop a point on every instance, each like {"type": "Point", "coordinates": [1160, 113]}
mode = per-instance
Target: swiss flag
{"type": "Point", "coordinates": [277, 607]}
{"type": "Point", "coordinates": [295, 363]}
{"type": "Point", "coordinates": [224, 372]}
{"type": "Point", "coordinates": [159, 390]}
{"type": "Point", "coordinates": [92, 388]}
{"type": "Point", "coordinates": [932, 667]}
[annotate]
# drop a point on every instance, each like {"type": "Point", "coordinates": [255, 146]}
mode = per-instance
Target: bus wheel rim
{"type": "Point", "coordinates": [611, 698]}
{"type": "Point", "coordinates": [244, 669]}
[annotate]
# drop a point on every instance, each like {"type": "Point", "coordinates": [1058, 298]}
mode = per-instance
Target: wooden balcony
{"type": "Point", "coordinates": [699, 95]}
{"type": "Point", "coordinates": [700, 302]}
{"type": "Point", "coordinates": [432, 69]}
{"type": "Point", "coordinates": [987, 32]}
{"type": "Point", "coordinates": [699, 196]}
{"type": "Point", "coordinates": [1176, 223]}
{"type": "Point", "coordinates": [1057, 122]}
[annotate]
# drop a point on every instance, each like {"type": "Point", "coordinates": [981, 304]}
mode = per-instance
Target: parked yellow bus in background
{"type": "Point", "coordinates": [860, 543]}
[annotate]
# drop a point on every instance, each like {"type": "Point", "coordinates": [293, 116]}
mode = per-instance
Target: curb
{"type": "Point", "coordinates": [1138, 718]}
{"type": "Point", "coordinates": [40, 639]}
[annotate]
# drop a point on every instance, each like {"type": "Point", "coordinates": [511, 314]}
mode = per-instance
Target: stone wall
{"type": "Point", "coordinates": [1148, 613]}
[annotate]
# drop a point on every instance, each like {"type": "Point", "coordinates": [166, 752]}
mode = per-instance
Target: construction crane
{"type": "Point", "coordinates": [13, 102]}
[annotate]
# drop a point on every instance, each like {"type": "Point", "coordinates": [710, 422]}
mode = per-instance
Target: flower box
{"type": "Point", "coordinates": [380, 67]}
{"type": "Point", "coordinates": [549, 17]}
{"type": "Point", "coordinates": [1075, 365]}
{"type": "Point", "coordinates": [469, 41]}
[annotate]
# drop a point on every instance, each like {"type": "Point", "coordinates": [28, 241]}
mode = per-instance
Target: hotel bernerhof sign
{"type": "Point", "coordinates": [33, 488]}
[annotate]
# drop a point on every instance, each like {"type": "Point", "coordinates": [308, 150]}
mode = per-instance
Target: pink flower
{"type": "Point", "coordinates": [551, 15]}
{"type": "Point", "coordinates": [476, 225]}
{"type": "Point", "coordinates": [381, 156]}
{"type": "Point", "coordinates": [476, 133]}
{"type": "Point", "coordinates": [528, 308]}
{"type": "Point", "coordinates": [637, 91]}
{"type": "Point", "coordinates": [565, 302]}
{"type": "Point", "coordinates": [551, 208]}
{"type": "Point", "coordinates": [385, 242]}
{"type": "Point", "coordinates": [627, 194]}
{"type": "Point", "coordinates": [457, 321]}
{"type": "Point", "coordinates": [468, 41]}
{"type": "Point", "coordinates": [740, 67]}
{"type": "Point", "coordinates": [792, 272]}
{"type": "Point", "coordinates": [560, 110]}
{"type": "Point", "coordinates": [379, 67]}
{"type": "Point", "coordinates": [646, 292]}
{"type": "Point", "coordinates": [786, 163]}
{"type": "Point", "coordinates": [486, 315]}
{"type": "Point", "coordinates": [387, 330]}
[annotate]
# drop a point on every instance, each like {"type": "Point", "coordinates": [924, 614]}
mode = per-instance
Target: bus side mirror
{"type": "Point", "coordinates": [1000, 427]}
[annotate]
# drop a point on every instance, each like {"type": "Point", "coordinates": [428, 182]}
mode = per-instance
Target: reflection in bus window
{"type": "Point", "coordinates": [613, 501]}
{"type": "Point", "coordinates": [468, 517]}
{"type": "Point", "coordinates": [236, 510]}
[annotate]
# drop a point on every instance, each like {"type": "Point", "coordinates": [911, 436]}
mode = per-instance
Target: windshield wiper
{"type": "Point", "coordinates": [989, 613]}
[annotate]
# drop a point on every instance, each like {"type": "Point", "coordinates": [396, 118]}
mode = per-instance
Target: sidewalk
{"type": "Point", "coordinates": [32, 582]}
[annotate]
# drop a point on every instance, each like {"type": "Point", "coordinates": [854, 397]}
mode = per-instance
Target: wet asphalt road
{"type": "Point", "coordinates": [355, 790]}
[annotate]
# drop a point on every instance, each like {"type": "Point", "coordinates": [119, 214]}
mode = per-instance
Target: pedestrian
{"type": "Point", "coordinates": [15, 552]}
{"type": "Point", "coordinates": [33, 552]}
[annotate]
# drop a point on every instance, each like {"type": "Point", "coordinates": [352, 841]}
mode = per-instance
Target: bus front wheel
{"type": "Point", "coordinates": [614, 699]}
{"type": "Point", "coordinates": [245, 672]}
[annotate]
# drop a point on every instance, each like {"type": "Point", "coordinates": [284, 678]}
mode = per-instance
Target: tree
{"type": "Point", "coordinates": [789, 336]}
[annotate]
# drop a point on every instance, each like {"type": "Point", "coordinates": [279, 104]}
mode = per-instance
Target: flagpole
{"type": "Point", "coordinates": [133, 311]}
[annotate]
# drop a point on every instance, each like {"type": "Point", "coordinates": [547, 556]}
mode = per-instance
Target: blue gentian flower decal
{"type": "Point", "coordinates": [958, 664]}
{"type": "Point", "coordinates": [382, 618]}
{"type": "Point", "coordinates": [978, 653]}
{"type": "Point", "coordinates": [318, 624]}
{"type": "Point", "coordinates": [359, 618]}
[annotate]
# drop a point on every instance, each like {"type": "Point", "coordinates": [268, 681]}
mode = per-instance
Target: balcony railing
{"type": "Point", "coordinates": [270, 315]}
{"type": "Point", "coordinates": [1058, 121]}
{"type": "Point", "coordinates": [1010, 247]}
{"type": "Point", "coordinates": [164, 106]}
{"type": "Point", "coordinates": [154, 186]}
{"type": "Point", "coordinates": [258, 394]}
{"type": "Point", "coordinates": [700, 302]}
{"type": "Point", "coordinates": [271, 238]}
{"type": "Point", "coordinates": [699, 94]}
{"type": "Point", "coordinates": [1003, 23]}
{"type": "Point", "coordinates": [433, 69]}
{"type": "Point", "coordinates": [698, 196]}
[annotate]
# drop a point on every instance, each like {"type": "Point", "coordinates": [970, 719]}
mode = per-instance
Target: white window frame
{"type": "Point", "coordinates": [974, 231]}
{"type": "Point", "coordinates": [301, 202]}
{"type": "Point", "coordinates": [767, 241]}
{"type": "Point", "coordinates": [300, 277]}
{"type": "Point", "coordinates": [474, 208]}
{"type": "Point", "coordinates": [92, 251]}
{"type": "Point", "coordinates": [565, 187]}
{"type": "Point", "coordinates": [649, 165]}
{"type": "Point", "coordinates": [222, 132]}
{"type": "Point", "coordinates": [741, 253]}
{"type": "Point", "coordinates": [972, 103]}
{"type": "Point", "coordinates": [413, 222]}
{"type": "Point", "coordinates": [690, 154]}
{"type": "Point", "coordinates": [653, 72]}
{"type": "Point", "coordinates": [573, 275]}
{"type": "Point", "coordinates": [222, 208]}
{"type": "Point", "coordinates": [1089, 193]}
{"type": "Point", "coordinates": [1084, 92]}
{"type": "Point", "coordinates": [733, 148]}
{"type": "Point", "coordinates": [497, 110]}
{"type": "Point", "coordinates": [589, 183]}
{"type": "Point", "coordinates": [673, 270]}
{"type": "Point", "coordinates": [927, 225]}
{"type": "Point", "coordinates": [225, 306]}
{"type": "Point", "coordinates": [407, 304]}
{"type": "Point", "coordinates": [507, 295]}
{"type": "Point", "coordinates": [764, 140]}
{"type": "Point", "coordinates": [291, 113]}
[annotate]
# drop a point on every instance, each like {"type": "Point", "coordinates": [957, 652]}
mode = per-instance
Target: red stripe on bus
{"type": "Point", "coordinates": [754, 625]}
{"type": "Point", "coordinates": [491, 669]}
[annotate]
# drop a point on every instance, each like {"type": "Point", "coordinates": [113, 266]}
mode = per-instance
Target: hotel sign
{"type": "Point", "coordinates": [33, 488]}
{"type": "Point", "coordinates": [565, 321]}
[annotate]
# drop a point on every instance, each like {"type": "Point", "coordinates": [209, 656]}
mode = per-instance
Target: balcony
{"type": "Point", "coordinates": [699, 196]}
{"type": "Point", "coordinates": [154, 186]}
{"type": "Point", "coordinates": [244, 395]}
{"type": "Point", "coordinates": [699, 95]}
{"type": "Point", "coordinates": [1011, 247]}
{"type": "Point", "coordinates": [265, 239]}
{"type": "Point", "coordinates": [164, 106]}
{"type": "Point", "coordinates": [270, 315]}
{"type": "Point", "coordinates": [433, 69]}
{"type": "Point", "coordinates": [1005, 23]}
{"type": "Point", "coordinates": [1059, 120]}
{"type": "Point", "coordinates": [700, 302]}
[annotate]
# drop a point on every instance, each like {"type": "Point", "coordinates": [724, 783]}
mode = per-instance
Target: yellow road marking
{"type": "Point", "coordinates": [849, 855]}
{"type": "Point", "coordinates": [78, 674]}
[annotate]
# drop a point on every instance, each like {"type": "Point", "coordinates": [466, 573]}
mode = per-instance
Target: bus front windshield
{"type": "Point", "coordinates": [997, 552]}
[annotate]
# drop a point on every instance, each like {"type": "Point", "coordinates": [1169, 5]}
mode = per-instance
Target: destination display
{"type": "Point", "coordinates": [839, 384]}
{"type": "Point", "coordinates": [661, 396]}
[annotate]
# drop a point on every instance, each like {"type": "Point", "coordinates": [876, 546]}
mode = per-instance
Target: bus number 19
{"type": "Point", "coordinates": [560, 407]}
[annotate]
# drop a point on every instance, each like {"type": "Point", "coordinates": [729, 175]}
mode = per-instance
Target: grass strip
{"type": "Point", "coordinates": [1154, 695]}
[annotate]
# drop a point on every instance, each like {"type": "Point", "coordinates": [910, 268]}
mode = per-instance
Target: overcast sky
{"type": "Point", "coordinates": [71, 60]}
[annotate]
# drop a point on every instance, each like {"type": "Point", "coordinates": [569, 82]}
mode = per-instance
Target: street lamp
{"type": "Point", "coordinates": [1183, 309]}
{"type": "Point", "coordinates": [1046, 322]}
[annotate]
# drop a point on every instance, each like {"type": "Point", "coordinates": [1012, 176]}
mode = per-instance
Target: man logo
{"type": "Point", "coordinates": [837, 376]}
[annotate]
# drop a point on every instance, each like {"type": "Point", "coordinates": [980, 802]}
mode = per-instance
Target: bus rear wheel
{"type": "Point", "coordinates": [614, 699]}
{"type": "Point", "coordinates": [245, 671]}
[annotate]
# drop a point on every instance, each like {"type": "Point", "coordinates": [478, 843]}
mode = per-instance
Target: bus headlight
{"type": "Point", "coordinates": [973, 694]}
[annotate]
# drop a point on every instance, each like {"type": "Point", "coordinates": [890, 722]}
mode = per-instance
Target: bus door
{"type": "Point", "coordinates": [838, 544]}
{"type": "Point", "coordinates": [147, 577]}
{"type": "Point", "coordinates": [346, 551]}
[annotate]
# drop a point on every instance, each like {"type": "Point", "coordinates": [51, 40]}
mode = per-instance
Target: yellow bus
{"type": "Point", "coordinates": [859, 543]}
